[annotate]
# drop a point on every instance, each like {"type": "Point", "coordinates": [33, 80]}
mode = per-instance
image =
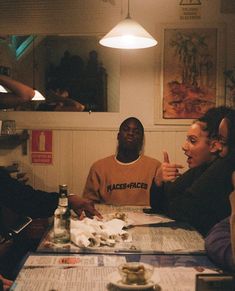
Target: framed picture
{"type": "Point", "coordinates": [230, 86]}
{"type": "Point", "coordinates": [191, 75]}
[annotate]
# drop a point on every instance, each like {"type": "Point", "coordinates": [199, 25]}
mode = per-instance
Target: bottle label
{"type": "Point", "coordinates": [63, 201]}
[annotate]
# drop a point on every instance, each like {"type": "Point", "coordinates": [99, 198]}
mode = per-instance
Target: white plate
{"type": "Point", "coordinates": [115, 279]}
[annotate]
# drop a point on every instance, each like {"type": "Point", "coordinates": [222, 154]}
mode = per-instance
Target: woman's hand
{"type": "Point", "coordinates": [167, 171]}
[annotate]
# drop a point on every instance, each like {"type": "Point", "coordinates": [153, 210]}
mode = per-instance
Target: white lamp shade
{"type": "Point", "coordinates": [37, 96]}
{"type": "Point", "coordinates": [2, 89]}
{"type": "Point", "coordinates": [128, 34]}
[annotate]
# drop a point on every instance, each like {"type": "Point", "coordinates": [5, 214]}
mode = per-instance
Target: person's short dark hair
{"type": "Point", "coordinates": [212, 119]}
{"type": "Point", "coordinates": [136, 120]}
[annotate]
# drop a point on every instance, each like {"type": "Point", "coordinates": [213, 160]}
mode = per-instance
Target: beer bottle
{"type": "Point", "coordinates": [62, 217]}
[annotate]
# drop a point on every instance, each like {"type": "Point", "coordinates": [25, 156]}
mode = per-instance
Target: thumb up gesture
{"type": "Point", "coordinates": [167, 171]}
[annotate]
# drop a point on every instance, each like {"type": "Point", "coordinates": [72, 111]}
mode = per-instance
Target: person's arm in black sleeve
{"type": "Point", "coordinates": [157, 199]}
{"type": "Point", "coordinates": [25, 200]}
{"type": "Point", "coordinates": [160, 196]}
{"type": "Point", "coordinates": [206, 201]}
{"type": "Point", "coordinates": [183, 182]}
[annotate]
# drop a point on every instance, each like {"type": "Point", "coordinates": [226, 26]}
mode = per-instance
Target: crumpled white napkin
{"type": "Point", "coordinates": [92, 232]}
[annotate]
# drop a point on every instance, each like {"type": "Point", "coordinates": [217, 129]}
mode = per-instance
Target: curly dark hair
{"type": "Point", "coordinates": [212, 119]}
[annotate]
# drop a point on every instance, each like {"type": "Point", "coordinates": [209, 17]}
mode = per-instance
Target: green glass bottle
{"type": "Point", "coordinates": [62, 217]}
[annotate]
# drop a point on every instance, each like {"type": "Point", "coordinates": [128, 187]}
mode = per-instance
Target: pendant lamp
{"type": "Point", "coordinates": [37, 95]}
{"type": "Point", "coordinates": [2, 89]}
{"type": "Point", "coordinates": [128, 34]}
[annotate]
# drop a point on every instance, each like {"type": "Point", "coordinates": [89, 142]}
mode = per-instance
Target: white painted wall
{"type": "Point", "coordinates": [81, 138]}
{"type": "Point", "coordinates": [75, 150]}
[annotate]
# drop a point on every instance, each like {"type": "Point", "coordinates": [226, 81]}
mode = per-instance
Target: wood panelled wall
{"type": "Point", "coordinates": [75, 151]}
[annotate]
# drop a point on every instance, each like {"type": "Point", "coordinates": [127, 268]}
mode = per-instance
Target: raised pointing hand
{"type": "Point", "coordinates": [165, 157]}
{"type": "Point", "coordinates": [167, 172]}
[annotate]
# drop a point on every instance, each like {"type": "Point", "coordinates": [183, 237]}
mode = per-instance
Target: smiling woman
{"type": "Point", "coordinates": [74, 73]}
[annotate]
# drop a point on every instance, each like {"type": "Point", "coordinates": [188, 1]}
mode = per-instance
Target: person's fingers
{"type": "Point", "coordinates": [81, 216]}
{"type": "Point", "coordinates": [7, 283]}
{"type": "Point", "coordinates": [165, 157]}
{"type": "Point", "coordinates": [98, 214]}
{"type": "Point", "coordinates": [173, 171]}
{"type": "Point", "coordinates": [78, 212]}
{"type": "Point", "coordinates": [170, 172]}
{"type": "Point", "coordinates": [179, 166]}
{"type": "Point", "coordinates": [88, 214]}
{"type": "Point", "coordinates": [93, 212]}
{"type": "Point", "coordinates": [170, 177]}
{"type": "Point", "coordinates": [171, 167]}
{"type": "Point", "coordinates": [166, 160]}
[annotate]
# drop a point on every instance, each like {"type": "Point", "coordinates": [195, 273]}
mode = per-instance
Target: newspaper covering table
{"type": "Point", "coordinates": [100, 272]}
{"type": "Point", "coordinates": [149, 233]}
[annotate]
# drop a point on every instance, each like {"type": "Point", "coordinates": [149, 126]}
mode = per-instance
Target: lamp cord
{"type": "Point", "coordinates": [128, 9]}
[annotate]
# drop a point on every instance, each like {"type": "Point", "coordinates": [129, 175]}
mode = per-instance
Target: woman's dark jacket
{"type": "Point", "coordinates": [199, 197]}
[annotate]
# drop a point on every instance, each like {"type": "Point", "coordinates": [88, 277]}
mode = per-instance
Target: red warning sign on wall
{"type": "Point", "coordinates": [41, 146]}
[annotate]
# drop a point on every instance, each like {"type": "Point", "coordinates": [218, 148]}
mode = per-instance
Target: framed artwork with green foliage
{"type": "Point", "coordinates": [192, 68]}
